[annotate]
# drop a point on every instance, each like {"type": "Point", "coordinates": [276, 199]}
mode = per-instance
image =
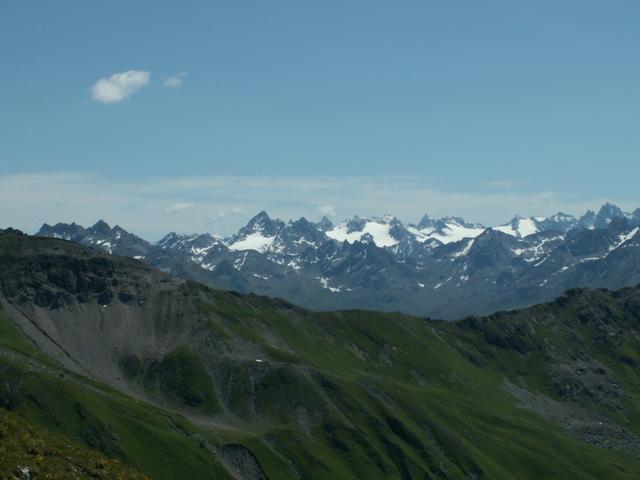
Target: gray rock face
{"type": "Point", "coordinates": [240, 462]}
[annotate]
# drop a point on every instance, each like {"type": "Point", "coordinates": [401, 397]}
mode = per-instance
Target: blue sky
{"type": "Point", "coordinates": [511, 100]}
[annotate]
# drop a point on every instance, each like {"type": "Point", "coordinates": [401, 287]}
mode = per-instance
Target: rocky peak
{"type": "Point", "coordinates": [261, 223]}
{"type": "Point", "coordinates": [492, 248]}
{"type": "Point", "coordinates": [355, 224]}
{"type": "Point", "coordinates": [560, 222]}
{"type": "Point", "coordinates": [587, 220]}
{"type": "Point", "coordinates": [606, 214]}
{"type": "Point", "coordinates": [61, 230]}
{"type": "Point", "coordinates": [425, 222]}
{"type": "Point", "coordinates": [301, 229]}
{"type": "Point", "coordinates": [100, 228]}
{"type": "Point", "coordinates": [325, 224]}
{"type": "Point", "coordinates": [186, 242]}
{"type": "Point", "coordinates": [168, 240]}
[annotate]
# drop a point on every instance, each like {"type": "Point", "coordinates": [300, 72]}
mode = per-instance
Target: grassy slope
{"type": "Point", "coordinates": [439, 414]}
{"type": "Point", "coordinates": [154, 441]}
{"type": "Point", "coordinates": [348, 394]}
{"type": "Point", "coordinates": [397, 397]}
{"type": "Point", "coordinates": [28, 449]}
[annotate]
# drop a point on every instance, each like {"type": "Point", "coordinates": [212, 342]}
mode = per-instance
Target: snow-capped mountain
{"type": "Point", "coordinates": [445, 230]}
{"type": "Point", "coordinates": [384, 232]}
{"type": "Point", "coordinates": [257, 235]}
{"type": "Point", "coordinates": [521, 227]}
{"type": "Point", "coordinates": [445, 267]}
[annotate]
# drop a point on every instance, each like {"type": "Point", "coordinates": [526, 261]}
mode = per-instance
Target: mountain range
{"type": "Point", "coordinates": [110, 368]}
{"type": "Point", "coordinates": [443, 268]}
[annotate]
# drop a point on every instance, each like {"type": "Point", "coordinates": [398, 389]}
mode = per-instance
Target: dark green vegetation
{"type": "Point", "coordinates": [181, 381]}
{"type": "Point", "coordinates": [27, 451]}
{"type": "Point", "coordinates": [96, 416]}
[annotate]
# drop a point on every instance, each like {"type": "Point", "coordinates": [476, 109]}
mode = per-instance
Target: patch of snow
{"type": "Point", "coordinates": [508, 229]}
{"type": "Point", "coordinates": [105, 245]}
{"type": "Point", "coordinates": [293, 264]}
{"type": "Point", "coordinates": [465, 249]}
{"type": "Point", "coordinates": [379, 231]}
{"type": "Point", "coordinates": [254, 241]}
{"type": "Point", "coordinates": [527, 226]}
{"type": "Point", "coordinates": [239, 262]}
{"type": "Point", "coordinates": [304, 241]}
{"type": "Point", "coordinates": [540, 262]}
{"type": "Point", "coordinates": [276, 247]}
{"type": "Point", "coordinates": [624, 238]}
{"type": "Point", "coordinates": [61, 236]}
{"type": "Point", "coordinates": [200, 252]}
{"type": "Point", "coordinates": [522, 228]}
{"type": "Point", "coordinates": [590, 259]}
{"type": "Point", "coordinates": [325, 284]}
{"type": "Point", "coordinates": [536, 252]}
{"type": "Point", "coordinates": [453, 232]}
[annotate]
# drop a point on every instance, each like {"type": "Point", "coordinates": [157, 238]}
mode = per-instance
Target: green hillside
{"type": "Point", "coordinates": [182, 381]}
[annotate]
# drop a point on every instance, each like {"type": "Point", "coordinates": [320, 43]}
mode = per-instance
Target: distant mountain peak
{"type": "Point", "coordinates": [607, 213]}
{"type": "Point", "coordinates": [355, 224]}
{"type": "Point", "coordinates": [608, 206]}
{"type": "Point", "coordinates": [261, 223]}
{"type": "Point", "coordinates": [424, 222]}
{"type": "Point", "coordinates": [587, 220]}
{"type": "Point", "coordinates": [61, 230]}
{"type": "Point", "coordinates": [261, 219]}
{"type": "Point", "coordinates": [101, 228]}
{"type": "Point", "coordinates": [262, 214]}
{"type": "Point", "coordinates": [101, 224]}
{"type": "Point", "coordinates": [609, 210]}
{"type": "Point", "coordinates": [325, 224]}
{"type": "Point", "coordinates": [562, 216]}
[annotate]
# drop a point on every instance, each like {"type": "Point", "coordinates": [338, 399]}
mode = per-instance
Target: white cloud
{"type": "Point", "coordinates": [224, 203]}
{"type": "Point", "coordinates": [176, 207]}
{"type": "Point", "coordinates": [119, 86]}
{"type": "Point", "coordinates": [327, 210]}
{"type": "Point", "coordinates": [174, 81]}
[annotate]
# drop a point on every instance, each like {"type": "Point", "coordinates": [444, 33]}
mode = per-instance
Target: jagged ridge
{"type": "Point", "coordinates": [439, 267]}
